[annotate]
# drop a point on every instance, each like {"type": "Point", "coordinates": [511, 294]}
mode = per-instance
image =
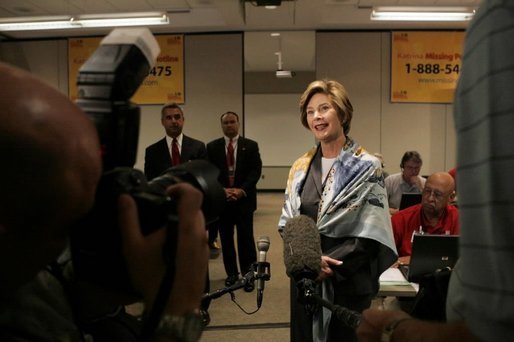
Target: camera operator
{"type": "Point", "coordinates": [51, 164]}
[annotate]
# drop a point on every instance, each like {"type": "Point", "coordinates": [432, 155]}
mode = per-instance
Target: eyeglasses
{"type": "Point", "coordinates": [437, 194]}
{"type": "Point", "coordinates": [412, 168]}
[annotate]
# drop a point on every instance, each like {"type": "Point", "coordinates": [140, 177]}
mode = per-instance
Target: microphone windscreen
{"type": "Point", "coordinates": [302, 248]}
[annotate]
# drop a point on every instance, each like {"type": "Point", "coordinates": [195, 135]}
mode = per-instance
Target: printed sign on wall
{"type": "Point", "coordinates": [425, 66]}
{"type": "Point", "coordinates": [164, 83]}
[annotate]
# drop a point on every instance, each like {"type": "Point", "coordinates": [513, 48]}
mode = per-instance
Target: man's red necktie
{"type": "Point", "coordinates": [175, 154]}
{"type": "Point", "coordinates": [230, 163]}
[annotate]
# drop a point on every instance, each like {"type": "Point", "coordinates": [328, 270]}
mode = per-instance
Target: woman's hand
{"type": "Point", "coordinates": [326, 270]}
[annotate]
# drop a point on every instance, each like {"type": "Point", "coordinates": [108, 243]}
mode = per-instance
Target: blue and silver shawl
{"type": "Point", "coordinates": [355, 205]}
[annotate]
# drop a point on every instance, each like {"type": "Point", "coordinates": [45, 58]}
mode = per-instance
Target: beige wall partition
{"type": "Point", "coordinates": [361, 61]}
{"type": "Point", "coordinates": [47, 59]}
{"type": "Point", "coordinates": [214, 83]}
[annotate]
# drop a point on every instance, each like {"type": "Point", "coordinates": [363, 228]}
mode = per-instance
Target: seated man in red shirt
{"type": "Point", "coordinates": [434, 215]}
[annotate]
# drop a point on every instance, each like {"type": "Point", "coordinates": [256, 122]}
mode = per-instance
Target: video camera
{"type": "Point", "coordinates": [106, 82]}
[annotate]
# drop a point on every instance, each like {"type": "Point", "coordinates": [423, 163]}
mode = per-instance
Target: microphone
{"type": "Point", "coordinates": [302, 248]}
{"type": "Point", "coordinates": [262, 246]}
{"type": "Point", "coordinates": [302, 258]}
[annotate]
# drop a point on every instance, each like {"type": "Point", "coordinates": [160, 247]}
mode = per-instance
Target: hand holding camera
{"type": "Point", "coordinates": [144, 253]}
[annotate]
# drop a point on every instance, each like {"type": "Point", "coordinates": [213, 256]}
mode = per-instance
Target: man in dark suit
{"type": "Point", "coordinates": [162, 155]}
{"type": "Point", "coordinates": [159, 156]}
{"type": "Point", "coordinates": [239, 174]}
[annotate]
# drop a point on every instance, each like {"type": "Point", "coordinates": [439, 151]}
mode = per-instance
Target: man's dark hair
{"type": "Point", "coordinates": [411, 155]}
{"type": "Point", "coordinates": [171, 105]}
{"type": "Point", "coordinates": [226, 113]}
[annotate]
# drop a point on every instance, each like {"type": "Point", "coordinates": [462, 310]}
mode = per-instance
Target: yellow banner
{"type": "Point", "coordinates": [425, 66]}
{"type": "Point", "coordinates": [164, 83]}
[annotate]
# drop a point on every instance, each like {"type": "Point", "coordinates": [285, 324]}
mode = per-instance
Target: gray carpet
{"type": "Point", "coordinates": [271, 322]}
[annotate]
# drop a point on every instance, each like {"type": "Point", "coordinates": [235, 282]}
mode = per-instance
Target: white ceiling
{"type": "Point", "coordinates": [238, 15]}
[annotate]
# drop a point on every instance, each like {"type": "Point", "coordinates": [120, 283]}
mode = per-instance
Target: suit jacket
{"type": "Point", "coordinates": [248, 168]}
{"type": "Point", "coordinates": [158, 158]}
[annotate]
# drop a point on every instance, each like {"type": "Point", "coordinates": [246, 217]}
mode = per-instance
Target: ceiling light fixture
{"type": "Point", "coordinates": [422, 13]}
{"type": "Point", "coordinates": [83, 21]}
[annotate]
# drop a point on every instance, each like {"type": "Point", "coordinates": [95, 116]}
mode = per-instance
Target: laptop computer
{"type": "Point", "coordinates": [409, 199]}
{"type": "Point", "coordinates": [429, 254]}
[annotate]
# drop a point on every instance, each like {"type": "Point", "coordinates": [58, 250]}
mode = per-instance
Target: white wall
{"type": "Point", "coordinates": [274, 121]}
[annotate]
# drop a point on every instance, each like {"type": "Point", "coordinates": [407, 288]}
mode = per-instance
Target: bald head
{"type": "Point", "coordinates": [50, 160]}
{"type": "Point", "coordinates": [443, 180]}
{"type": "Point", "coordinates": [439, 191]}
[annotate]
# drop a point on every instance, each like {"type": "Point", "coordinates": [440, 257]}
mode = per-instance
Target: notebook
{"type": "Point", "coordinates": [409, 199]}
{"type": "Point", "coordinates": [429, 254]}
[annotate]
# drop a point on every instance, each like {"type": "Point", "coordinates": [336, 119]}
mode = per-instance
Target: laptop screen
{"type": "Point", "coordinates": [409, 199]}
{"type": "Point", "coordinates": [431, 253]}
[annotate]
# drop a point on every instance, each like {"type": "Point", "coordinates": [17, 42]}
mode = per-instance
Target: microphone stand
{"type": "Point", "coordinates": [236, 286]}
{"type": "Point", "coordinates": [307, 295]}
{"type": "Point", "coordinates": [249, 277]}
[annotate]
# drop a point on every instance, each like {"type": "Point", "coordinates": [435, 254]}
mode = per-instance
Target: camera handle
{"type": "Point", "coordinates": [151, 320]}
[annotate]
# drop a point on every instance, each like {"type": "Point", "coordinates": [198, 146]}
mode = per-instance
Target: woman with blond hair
{"type": "Point", "coordinates": [341, 187]}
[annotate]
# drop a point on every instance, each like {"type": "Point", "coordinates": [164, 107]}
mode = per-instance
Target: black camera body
{"type": "Point", "coordinates": [105, 84]}
{"type": "Point", "coordinates": [96, 241]}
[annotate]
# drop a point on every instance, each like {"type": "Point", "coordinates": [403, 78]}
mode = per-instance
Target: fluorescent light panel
{"type": "Point", "coordinates": [419, 13]}
{"type": "Point", "coordinates": [83, 21]}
